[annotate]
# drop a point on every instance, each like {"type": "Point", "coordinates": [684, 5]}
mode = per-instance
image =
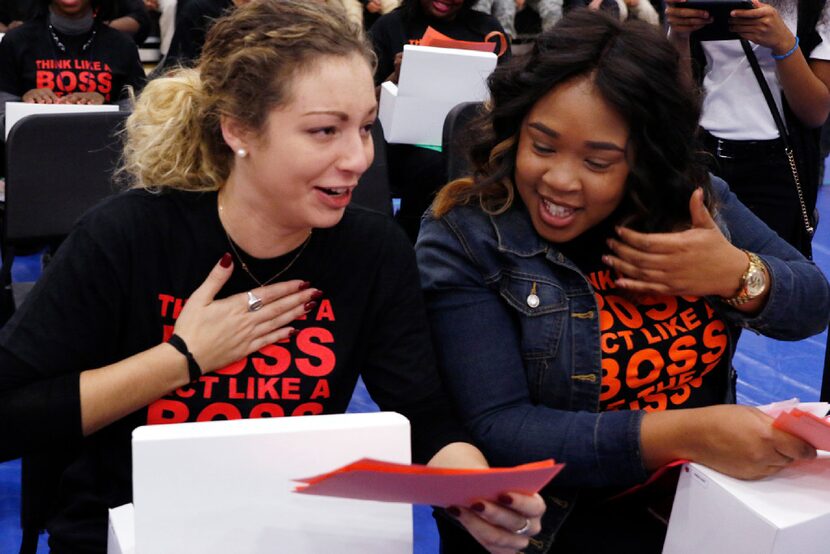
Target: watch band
{"type": "Point", "coordinates": [743, 295]}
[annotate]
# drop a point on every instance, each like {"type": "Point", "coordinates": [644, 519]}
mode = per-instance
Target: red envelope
{"type": "Point", "coordinates": [369, 479]}
{"type": "Point", "coordinates": [434, 38]}
{"type": "Point", "coordinates": [806, 426]}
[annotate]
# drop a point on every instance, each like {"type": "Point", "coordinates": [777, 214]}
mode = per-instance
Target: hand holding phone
{"type": "Point", "coordinates": [706, 19]}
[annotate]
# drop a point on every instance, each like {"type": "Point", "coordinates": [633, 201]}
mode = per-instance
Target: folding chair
{"type": "Point", "coordinates": [58, 166]}
{"type": "Point", "coordinates": [455, 139]}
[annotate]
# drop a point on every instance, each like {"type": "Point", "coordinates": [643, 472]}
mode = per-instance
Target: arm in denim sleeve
{"type": "Point", "coordinates": [799, 301]}
{"type": "Point", "coordinates": [477, 344]}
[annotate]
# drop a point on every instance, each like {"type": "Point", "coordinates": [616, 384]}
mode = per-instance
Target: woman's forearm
{"type": "Point", "coordinates": [114, 391]}
{"type": "Point", "coordinates": [805, 87]}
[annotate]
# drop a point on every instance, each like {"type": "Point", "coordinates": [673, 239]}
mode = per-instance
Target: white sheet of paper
{"type": "Point", "coordinates": [15, 111]}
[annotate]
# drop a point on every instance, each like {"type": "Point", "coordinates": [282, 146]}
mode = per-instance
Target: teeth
{"type": "Point", "coordinates": [335, 192]}
{"type": "Point", "coordinates": [556, 210]}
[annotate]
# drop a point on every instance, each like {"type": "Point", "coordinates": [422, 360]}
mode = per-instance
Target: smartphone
{"type": "Point", "coordinates": [719, 10]}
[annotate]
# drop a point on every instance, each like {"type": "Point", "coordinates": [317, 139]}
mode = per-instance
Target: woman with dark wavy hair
{"type": "Point", "coordinates": [587, 284]}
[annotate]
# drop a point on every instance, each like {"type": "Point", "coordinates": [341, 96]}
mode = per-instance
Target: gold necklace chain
{"type": "Point", "coordinates": [245, 266]}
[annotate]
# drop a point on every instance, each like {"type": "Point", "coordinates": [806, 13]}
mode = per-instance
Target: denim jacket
{"type": "Point", "coordinates": [526, 381]}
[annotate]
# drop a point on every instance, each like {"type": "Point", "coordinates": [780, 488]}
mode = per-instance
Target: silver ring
{"type": "Point", "coordinates": [524, 529]}
{"type": "Point", "coordinates": [254, 302]}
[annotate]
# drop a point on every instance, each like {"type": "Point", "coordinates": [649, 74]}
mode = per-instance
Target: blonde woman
{"type": "Point", "coordinates": [235, 259]}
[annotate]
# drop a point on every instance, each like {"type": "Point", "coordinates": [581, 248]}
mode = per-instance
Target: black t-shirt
{"type": "Point", "coordinates": [392, 31]}
{"type": "Point", "coordinates": [115, 289]}
{"type": "Point", "coordinates": [103, 60]}
{"type": "Point", "coordinates": [659, 352]}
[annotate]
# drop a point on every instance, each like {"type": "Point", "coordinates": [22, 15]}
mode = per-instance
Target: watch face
{"type": "Point", "coordinates": [756, 282]}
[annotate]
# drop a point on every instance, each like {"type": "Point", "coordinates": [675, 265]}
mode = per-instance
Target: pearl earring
{"type": "Point", "coordinates": [241, 152]}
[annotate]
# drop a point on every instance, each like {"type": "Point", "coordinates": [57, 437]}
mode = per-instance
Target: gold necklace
{"type": "Point", "coordinates": [245, 266]}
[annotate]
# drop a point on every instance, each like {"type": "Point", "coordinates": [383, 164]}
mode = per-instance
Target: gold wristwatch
{"type": "Point", "coordinates": [753, 282]}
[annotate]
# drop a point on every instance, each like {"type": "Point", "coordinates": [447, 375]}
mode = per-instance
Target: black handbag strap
{"type": "Point", "coordinates": [782, 131]}
{"type": "Point", "coordinates": [762, 82]}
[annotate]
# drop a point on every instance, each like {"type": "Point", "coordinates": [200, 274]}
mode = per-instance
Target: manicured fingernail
{"type": "Point", "coordinates": [310, 306]}
{"type": "Point", "coordinates": [226, 260]}
{"type": "Point", "coordinates": [477, 507]}
{"type": "Point", "coordinates": [453, 511]}
{"type": "Point", "coordinates": [317, 295]}
{"type": "Point", "coordinates": [304, 285]}
{"type": "Point", "coordinates": [505, 499]}
{"type": "Point", "coordinates": [292, 332]}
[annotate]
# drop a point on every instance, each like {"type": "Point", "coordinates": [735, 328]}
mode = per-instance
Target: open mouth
{"type": "Point", "coordinates": [335, 191]}
{"type": "Point", "coordinates": [557, 210]}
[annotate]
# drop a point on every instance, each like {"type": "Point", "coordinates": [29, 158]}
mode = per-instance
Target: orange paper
{"type": "Point", "coordinates": [806, 426]}
{"type": "Point", "coordinates": [434, 38]}
{"type": "Point", "coordinates": [369, 479]}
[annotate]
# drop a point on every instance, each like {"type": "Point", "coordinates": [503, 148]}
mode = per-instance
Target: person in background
{"type": "Point", "coordinates": [193, 19]}
{"type": "Point", "coordinates": [416, 173]}
{"type": "Point", "coordinates": [128, 16]}
{"type": "Point", "coordinates": [234, 257]}
{"type": "Point", "coordinates": [13, 13]}
{"type": "Point", "coordinates": [549, 11]}
{"type": "Point", "coordinates": [791, 41]}
{"type": "Point", "coordinates": [167, 21]}
{"type": "Point", "coordinates": [588, 283]}
{"type": "Point", "coordinates": [365, 12]}
{"type": "Point", "coordinates": [66, 55]}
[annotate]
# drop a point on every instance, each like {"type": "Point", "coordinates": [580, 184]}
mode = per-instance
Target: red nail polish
{"type": "Point", "coordinates": [505, 499]}
{"type": "Point", "coordinates": [477, 507]}
{"type": "Point", "coordinates": [226, 260]}
{"type": "Point", "coordinates": [310, 306]}
{"type": "Point", "coordinates": [304, 285]}
{"type": "Point", "coordinates": [453, 511]}
{"type": "Point", "coordinates": [292, 333]}
{"type": "Point", "coordinates": [317, 295]}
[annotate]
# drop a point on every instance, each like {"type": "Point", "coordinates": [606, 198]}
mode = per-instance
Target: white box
{"type": "Point", "coordinates": [788, 513]}
{"type": "Point", "coordinates": [226, 486]}
{"type": "Point", "coordinates": [121, 533]}
{"type": "Point", "coordinates": [432, 81]}
{"type": "Point", "coordinates": [15, 111]}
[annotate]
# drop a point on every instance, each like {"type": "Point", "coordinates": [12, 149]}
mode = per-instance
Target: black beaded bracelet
{"type": "Point", "coordinates": [193, 369]}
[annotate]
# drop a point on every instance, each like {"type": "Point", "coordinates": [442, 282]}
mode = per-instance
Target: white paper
{"type": "Point", "coordinates": [432, 82]}
{"type": "Point", "coordinates": [15, 111]}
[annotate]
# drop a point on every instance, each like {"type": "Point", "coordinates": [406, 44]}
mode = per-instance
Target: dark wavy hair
{"type": "Point", "coordinates": [637, 72]}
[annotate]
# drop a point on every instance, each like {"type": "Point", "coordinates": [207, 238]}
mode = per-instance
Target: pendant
{"type": "Point", "coordinates": [532, 299]}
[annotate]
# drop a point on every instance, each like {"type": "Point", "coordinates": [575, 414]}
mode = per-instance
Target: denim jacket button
{"type": "Point", "coordinates": [532, 300]}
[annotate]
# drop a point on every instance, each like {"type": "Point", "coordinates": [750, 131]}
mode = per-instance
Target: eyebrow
{"type": "Point", "coordinates": [343, 116]}
{"type": "Point", "coordinates": [593, 144]}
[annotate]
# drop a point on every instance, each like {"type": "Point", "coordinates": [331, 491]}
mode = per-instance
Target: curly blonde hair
{"type": "Point", "coordinates": [250, 59]}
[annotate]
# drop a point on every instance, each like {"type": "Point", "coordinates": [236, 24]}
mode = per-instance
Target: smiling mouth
{"type": "Point", "coordinates": [340, 191]}
{"type": "Point", "coordinates": [557, 210]}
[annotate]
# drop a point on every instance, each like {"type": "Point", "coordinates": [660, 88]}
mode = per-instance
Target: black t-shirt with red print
{"type": "Point", "coordinates": [102, 60]}
{"type": "Point", "coordinates": [116, 287]}
{"type": "Point", "coordinates": [659, 352]}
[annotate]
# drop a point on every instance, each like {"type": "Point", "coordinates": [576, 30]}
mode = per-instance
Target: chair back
{"type": "Point", "coordinates": [373, 188]}
{"type": "Point", "coordinates": [58, 166]}
{"type": "Point", "coordinates": [455, 140]}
